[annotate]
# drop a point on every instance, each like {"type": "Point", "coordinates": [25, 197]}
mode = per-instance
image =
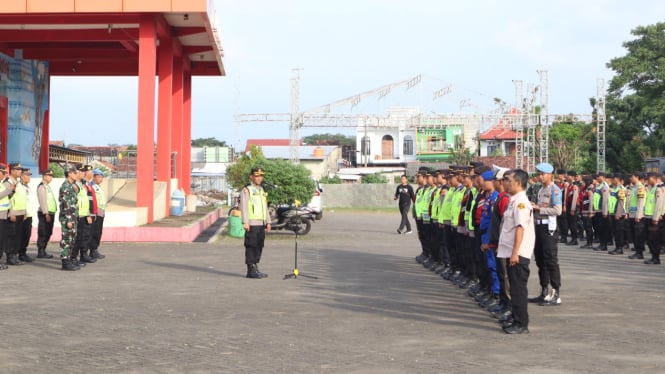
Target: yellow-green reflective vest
{"type": "Point", "coordinates": [634, 197]}
{"type": "Point", "coordinates": [598, 197]}
{"type": "Point", "coordinates": [51, 203]}
{"type": "Point", "coordinates": [445, 213]}
{"type": "Point", "coordinates": [4, 202]}
{"type": "Point", "coordinates": [468, 215]}
{"type": "Point", "coordinates": [457, 206]}
{"type": "Point", "coordinates": [256, 204]}
{"type": "Point", "coordinates": [436, 204]}
{"type": "Point", "coordinates": [99, 195]}
{"type": "Point", "coordinates": [650, 202]}
{"type": "Point", "coordinates": [19, 200]}
{"type": "Point", "coordinates": [83, 202]}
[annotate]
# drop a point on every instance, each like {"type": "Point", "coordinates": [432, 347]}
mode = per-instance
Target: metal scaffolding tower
{"type": "Point", "coordinates": [544, 118]}
{"type": "Point", "coordinates": [531, 129]}
{"type": "Point", "coordinates": [519, 125]}
{"type": "Point", "coordinates": [295, 120]}
{"type": "Point", "coordinates": [600, 124]}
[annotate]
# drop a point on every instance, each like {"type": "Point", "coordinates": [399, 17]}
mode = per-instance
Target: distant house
{"type": "Point", "coordinates": [322, 161]}
{"type": "Point", "coordinates": [498, 141]}
{"type": "Point", "coordinates": [394, 141]}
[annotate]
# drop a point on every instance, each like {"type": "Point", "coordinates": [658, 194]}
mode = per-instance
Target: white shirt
{"type": "Point", "coordinates": [518, 213]}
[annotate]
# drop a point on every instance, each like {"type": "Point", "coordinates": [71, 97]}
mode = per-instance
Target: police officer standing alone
{"type": "Point", "coordinates": [45, 214]}
{"type": "Point", "coordinates": [546, 250]}
{"type": "Point", "coordinates": [254, 210]}
{"type": "Point", "coordinates": [17, 209]}
{"type": "Point", "coordinates": [68, 219]}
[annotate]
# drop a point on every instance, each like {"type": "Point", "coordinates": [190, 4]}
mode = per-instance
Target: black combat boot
{"type": "Point", "coordinates": [69, 265]}
{"type": "Point", "coordinates": [261, 275]}
{"type": "Point", "coordinates": [96, 255]}
{"type": "Point", "coordinates": [86, 258]}
{"type": "Point", "coordinates": [252, 272]}
{"type": "Point", "coordinates": [543, 293]}
{"type": "Point", "coordinates": [13, 260]}
{"type": "Point", "coordinates": [41, 253]}
{"type": "Point", "coordinates": [25, 258]}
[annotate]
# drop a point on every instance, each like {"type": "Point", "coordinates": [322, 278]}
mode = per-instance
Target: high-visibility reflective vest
{"type": "Point", "coordinates": [4, 202]}
{"type": "Point", "coordinates": [83, 201]}
{"type": "Point", "coordinates": [456, 207]}
{"type": "Point", "coordinates": [256, 204]}
{"type": "Point", "coordinates": [650, 202]}
{"type": "Point", "coordinates": [636, 193]}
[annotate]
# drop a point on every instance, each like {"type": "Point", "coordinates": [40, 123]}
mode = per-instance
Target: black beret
{"type": "Point", "coordinates": [572, 173]}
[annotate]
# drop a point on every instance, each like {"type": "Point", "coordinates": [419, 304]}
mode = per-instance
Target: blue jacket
{"type": "Point", "coordinates": [486, 217]}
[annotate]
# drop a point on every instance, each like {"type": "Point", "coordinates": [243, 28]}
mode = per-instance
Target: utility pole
{"type": "Point", "coordinates": [295, 121]}
{"type": "Point", "coordinates": [519, 125]}
{"type": "Point", "coordinates": [544, 118]}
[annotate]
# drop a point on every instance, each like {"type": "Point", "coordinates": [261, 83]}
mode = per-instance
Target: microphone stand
{"type": "Point", "coordinates": [296, 273]}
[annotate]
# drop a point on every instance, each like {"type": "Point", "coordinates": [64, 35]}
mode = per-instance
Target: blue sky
{"type": "Point", "coordinates": [347, 47]}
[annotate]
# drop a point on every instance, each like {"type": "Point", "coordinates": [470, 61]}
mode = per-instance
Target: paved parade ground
{"type": "Point", "coordinates": [187, 308]}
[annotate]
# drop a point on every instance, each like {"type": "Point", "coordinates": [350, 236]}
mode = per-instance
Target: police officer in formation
{"type": "Point", "coordinates": [48, 206]}
{"type": "Point", "coordinates": [77, 199]}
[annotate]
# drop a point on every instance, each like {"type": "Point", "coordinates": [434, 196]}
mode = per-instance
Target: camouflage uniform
{"type": "Point", "coordinates": [68, 214]}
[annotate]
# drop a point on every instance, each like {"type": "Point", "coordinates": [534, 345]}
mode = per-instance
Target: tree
{"type": "Point", "coordinates": [329, 139]}
{"type": "Point", "coordinates": [636, 100]}
{"type": "Point", "coordinates": [208, 142]}
{"type": "Point", "coordinates": [331, 180]}
{"type": "Point", "coordinates": [568, 148]}
{"type": "Point", "coordinates": [374, 178]}
{"type": "Point", "coordinates": [58, 171]}
{"type": "Point", "coordinates": [289, 182]}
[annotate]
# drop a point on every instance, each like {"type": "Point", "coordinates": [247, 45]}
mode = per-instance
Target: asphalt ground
{"type": "Point", "coordinates": [187, 308]}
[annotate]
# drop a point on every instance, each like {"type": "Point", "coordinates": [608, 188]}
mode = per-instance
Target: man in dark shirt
{"type": "Point", "coordinates": [404, 193]}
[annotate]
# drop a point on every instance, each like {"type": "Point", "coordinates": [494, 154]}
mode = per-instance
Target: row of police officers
{"type": "Point", "coordinates": [459, 215]}
{"type": "Point", "coordinates": [79, 206]}
{"type": "Point", "coordinates": [611, 210]}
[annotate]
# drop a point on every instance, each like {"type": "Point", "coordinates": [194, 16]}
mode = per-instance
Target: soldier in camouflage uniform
{"type": "Point", "coordinates": [68, 219]}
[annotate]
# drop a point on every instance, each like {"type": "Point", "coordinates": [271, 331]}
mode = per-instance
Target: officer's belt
{"type": "Point", "coordinates": [543, 221]}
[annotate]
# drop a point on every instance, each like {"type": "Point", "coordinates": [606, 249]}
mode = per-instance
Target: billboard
{"type": "Point", "coordinates": [25, 83]}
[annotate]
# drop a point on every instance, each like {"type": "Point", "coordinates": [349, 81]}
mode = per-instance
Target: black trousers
{"type": "Point", "coordinates": [428, 239]}
{"type": "Point", "coordinates": [572, 225]}
{"type": "Point", "coordinates": [480, 263]}
{"type": "Point", "coordinates": [44, 229]}
{"type": "Point", "coordinates": [82, 237]}
{"type": "Point", "coordinates": [639, 234]}
{"type": "Point", "coordinates": [433, 243]}
{"type": "Point", "coordinates": [603, 228]}
{"type": "Point", "coordinates": [3, 235]}
{"type": "Point", "coordinates": [562, 224]}
{"type": "Point", "coordinates": [421, 235]}
{"type": "Point", "coordinates": [654, 237]}
{"type": "Point", "coordinates": [451, 235]}
{"type": "Point", "coordinates": [462, 252]}
{"type": "Point", "coordinates": [504, 282]}
{"type": "Point", "coordinates": [443, 244]}
{"type": "Point", "coordinates": [519, 276]}
{"type": "Point", "coordinates": [547, 257]}
{"type": "Point", "coordinates": [14, 232]}
{"type": "Point", "coordinates": [26, 233]}
{"type": "Point", "coordinates": [254, 239]}
{"type": "Point", "coordinates": [618, 226]}
{"type": "Point", "coordinates": [96, 233]}
{"type": "Point", "coordinates": [587, 222]}
{"type": "Point", "coordinates": [404, 211]}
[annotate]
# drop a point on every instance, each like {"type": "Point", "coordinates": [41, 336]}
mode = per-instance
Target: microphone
{"type": "Point", "coordinates": [270, 184]}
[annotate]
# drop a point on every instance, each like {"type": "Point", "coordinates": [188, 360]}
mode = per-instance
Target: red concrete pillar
{"type": "Point", "coordinates": [187, 130]}
{"type": "Point", "coordinates": [164, 120]}
{"type": "Point", "coordinates": [176, 106]}
{"type": "Point", "coordinates": [146, 115]}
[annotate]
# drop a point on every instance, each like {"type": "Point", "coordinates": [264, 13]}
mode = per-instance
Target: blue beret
{"type": "Point", "coordinates": [97, 172]}
{"type": "Point", "coordinates": [544, 167]}
{"type": "Point", "coordinates": [488, 175]}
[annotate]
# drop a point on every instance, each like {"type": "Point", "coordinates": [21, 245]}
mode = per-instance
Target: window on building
{"type": "Point", "coordinates": [408, 145]}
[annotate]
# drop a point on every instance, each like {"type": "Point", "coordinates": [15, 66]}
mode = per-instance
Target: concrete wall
{"type": "Point", "coordinates": [378, 195]}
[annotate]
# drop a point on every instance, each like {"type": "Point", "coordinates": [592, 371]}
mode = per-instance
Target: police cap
{"type": "Point", "coordinates": [257, 171]}
{"type": "Point", "coordinates": [15, 166]}
{"type": "Point", "coordinates": [26, 171]}
{"type": "Point", "coordinates": [572, 173]}
{"type": "Point", "coordinates": [545, 167]}
{"type": "Point", "coordinates": [46, 172]}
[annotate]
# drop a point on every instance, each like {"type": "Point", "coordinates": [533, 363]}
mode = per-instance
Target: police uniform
{"type": "Point", "coordinates": [635, 213]}
{"type": "Point", "coordinates": [23, 189]}
{"type": "Point", "coordinates": [618, 211]}
{"type": "Point", "coordinates": [254, 210]}
{"type": "Point", "coordinates": [572, 208]}
{"type": "Point", "coordinates": [419, 210]}
{"type": "Point", "coordinates": [48, 206]}
{"type": "Point", "coordinates": [587, 212]}
{"type": "Point", "coordinates": [5, 191]}
{"type": "Point", "coordinates": [98, 223]}
{"type": "Point", "coordinates": [601, 213]}
{"type": "Point", "coordinates": [87, 213]}
{"type": "Point", "coordinates": [546, 248]}
{"type": "Point", "coordinates": [653, 208]}
{"type": "Point", "coordinates": [17, 211]}
{"type": "Point", "coordinates": [68, 199]}
{"type": "Point", "coordinates": [562, 219]}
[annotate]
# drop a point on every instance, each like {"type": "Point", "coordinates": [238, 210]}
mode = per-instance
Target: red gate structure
{"type": "Point", "coordinates": [169, 39]}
